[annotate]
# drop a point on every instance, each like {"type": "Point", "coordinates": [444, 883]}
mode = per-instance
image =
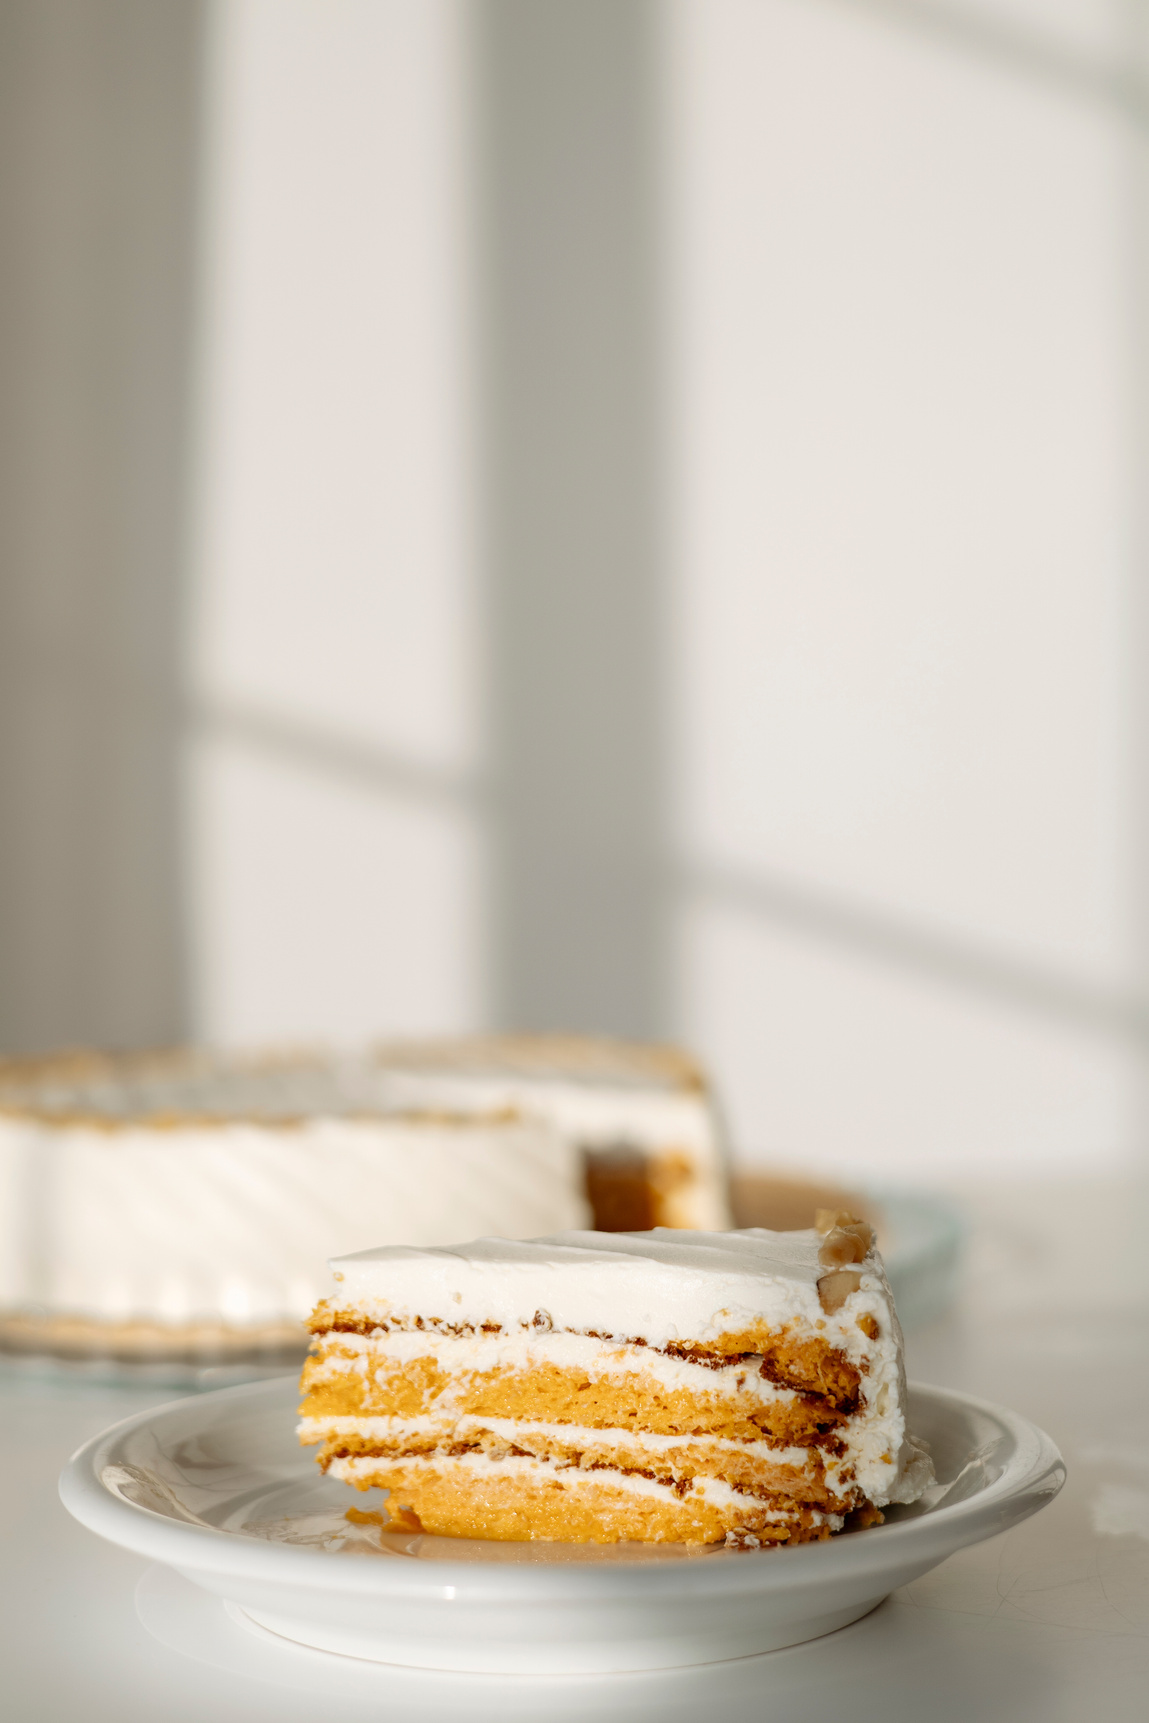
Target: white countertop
{"type": "Point", "coordinates": [1050, 1621]}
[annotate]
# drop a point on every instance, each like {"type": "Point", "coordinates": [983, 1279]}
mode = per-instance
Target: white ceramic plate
{"type": "Point", "coordinates": [217, 1488]}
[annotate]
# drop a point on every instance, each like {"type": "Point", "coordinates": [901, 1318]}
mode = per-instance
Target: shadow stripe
{"type": "Point", "coordinates": [900, 944]}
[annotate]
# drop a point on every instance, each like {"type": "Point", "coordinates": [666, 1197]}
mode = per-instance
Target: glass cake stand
{"type": "Point", "coordinates": [42, 1343]}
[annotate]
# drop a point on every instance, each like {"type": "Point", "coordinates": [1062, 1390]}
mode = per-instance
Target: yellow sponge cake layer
{"type": "Point", "coordinates": [517, 1498]}
{"type": "Point", "coordinates": [566, 1379]}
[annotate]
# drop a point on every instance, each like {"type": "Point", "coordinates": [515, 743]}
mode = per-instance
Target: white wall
{"type": "Point", "coordinates": [902, 465]}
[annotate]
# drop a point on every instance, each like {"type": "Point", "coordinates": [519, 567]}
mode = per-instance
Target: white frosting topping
{"type": "Point", "coordinates": [659, 1286]}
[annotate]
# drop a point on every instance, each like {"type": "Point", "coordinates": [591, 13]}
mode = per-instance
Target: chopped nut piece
{"type": "Point", "coordinates": [834, 1289]}
{"type": "Point", "coordinates": [869, 1325]}
{"type": "Point", "coordinates": [841, 1246]}
{"type": "Point", "coordinates": [826, 1219]}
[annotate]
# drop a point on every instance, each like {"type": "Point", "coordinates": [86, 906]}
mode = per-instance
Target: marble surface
{"type": "Point", "coordinates": [1049, 1621]}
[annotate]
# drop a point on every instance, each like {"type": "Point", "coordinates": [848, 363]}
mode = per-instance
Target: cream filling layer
{"type": "Point", "coordinates": [510, 1429]}
{"type": "Point", "coordinates": [342, 1354]}
{"type": "Point", "coordinates": [648, 1445]}
{"type": "Point", "coordinates": [711, 1491]}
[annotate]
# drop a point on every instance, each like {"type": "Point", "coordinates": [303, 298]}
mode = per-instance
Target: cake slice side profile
{"type": "Point", "coordinates": [598, 1387]}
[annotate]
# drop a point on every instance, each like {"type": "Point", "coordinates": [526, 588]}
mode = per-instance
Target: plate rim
{"type": "Point", "coordinates": [1032, 1476]}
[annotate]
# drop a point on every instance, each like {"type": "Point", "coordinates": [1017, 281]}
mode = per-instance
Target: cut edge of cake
{"type": "Point", "coordinates": [642, 1113]}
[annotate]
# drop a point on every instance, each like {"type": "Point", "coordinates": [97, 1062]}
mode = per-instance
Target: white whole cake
{"type": "Point", "coordinates": [185, 1206]}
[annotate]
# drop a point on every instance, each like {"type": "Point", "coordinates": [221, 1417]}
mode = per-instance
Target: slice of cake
{"type": "Point", "coordinates": [596, 1387]}
{"type": "Point", "coordinates": [183, 1207]}
{"type": "Point", "coordinates": [643, 1116]}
